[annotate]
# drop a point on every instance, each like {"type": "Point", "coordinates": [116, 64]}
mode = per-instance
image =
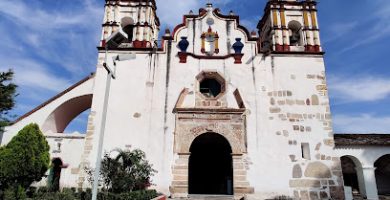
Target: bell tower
{"type": "Point", "coordinates": [137, 18]}
{"type": "Point", "coordinates": [290, 26]}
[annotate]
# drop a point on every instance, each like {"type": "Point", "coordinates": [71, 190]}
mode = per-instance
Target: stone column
{"type": "Point", "coordinates": [370, 182]}
{"type": "Point", "coordinates": [360, 176]}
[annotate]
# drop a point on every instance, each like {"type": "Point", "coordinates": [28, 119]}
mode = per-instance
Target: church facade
{"type": "Point", "coordinates": [217, 109]}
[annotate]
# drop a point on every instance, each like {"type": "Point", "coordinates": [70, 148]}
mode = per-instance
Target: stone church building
{"type": "Point", "coordinates": [219, 110]}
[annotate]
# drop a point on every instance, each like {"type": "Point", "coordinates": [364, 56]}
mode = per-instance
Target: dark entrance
{"type": "Point", "coordinates": [382, 174]}
{"type": "Point", "coordinates": [349, 174]}
{"type": "Point", "coordinates": [55, 175]}
{"type": "Point", "coordinates": [210, 165]}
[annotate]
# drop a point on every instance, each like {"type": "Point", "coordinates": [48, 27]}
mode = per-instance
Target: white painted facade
{"type": "Point", "coordinates": [285, 108]}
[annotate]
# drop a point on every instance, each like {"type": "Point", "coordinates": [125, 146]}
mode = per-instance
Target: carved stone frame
{"type": "Point", "coordinates": [192, 122]}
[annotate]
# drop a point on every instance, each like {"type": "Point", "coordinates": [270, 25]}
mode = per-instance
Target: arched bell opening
{"type": "Point", "coordinates": [127, 24]}
{"type": "Point", "coordinates": [295, 30]}
{"type": "Point", "coordinates": [210, 165]}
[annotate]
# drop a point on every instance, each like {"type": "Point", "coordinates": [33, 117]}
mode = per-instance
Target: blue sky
{"type": "Point", "coordinates": [51, 44]}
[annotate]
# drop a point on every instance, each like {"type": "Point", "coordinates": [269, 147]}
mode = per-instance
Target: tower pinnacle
{"type": "Point", "coordinates": [137, 18]}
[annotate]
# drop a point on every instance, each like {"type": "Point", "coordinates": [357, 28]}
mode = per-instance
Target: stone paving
{"type": "Point", "coordinates": [206, 197]}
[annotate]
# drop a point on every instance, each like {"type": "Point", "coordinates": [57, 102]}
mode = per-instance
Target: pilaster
{"type": "Point", "coordinates": [370, 182]}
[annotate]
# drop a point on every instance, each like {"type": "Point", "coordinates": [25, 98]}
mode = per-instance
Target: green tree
{"type": "Point", "coordinates": [24, 159]}
{"type": "Point", "coordinates": [7, 97]}
{"type": "Point", "coordinates": [128, 171]}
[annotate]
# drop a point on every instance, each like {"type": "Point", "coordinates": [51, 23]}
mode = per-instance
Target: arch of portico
{"type": "Point", "coordinates": [371, 155]}
{"type": "Point", "coordinates": [382, 174]}
{"type": "Point", "coordinates": [352, 174]}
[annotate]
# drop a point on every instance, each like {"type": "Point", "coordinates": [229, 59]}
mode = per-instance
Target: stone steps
{"type": "Point", "coordinates": [207, 197]}
{"type": "Point", "coordinates": [384, 197]}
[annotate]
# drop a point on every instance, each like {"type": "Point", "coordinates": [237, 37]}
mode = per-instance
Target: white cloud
{"type": "Point", "coordinates": [339, 30]}
{"type": "Point", "coordinates": [373, 34]}
{"type": "Point", "coordinates": [64, 37]}
{"type": "Point", "coordinates": [359, 89]}
{"type": "Point", "coordinates": [170, 12]}
{"type": "Point", "coordinates": [368, 30]}
{"type": "Point", "coordinates": [364, 123]}
{"type": "Point", "coordinates": [30, 74]}
{"type": "Point", "coordinates": [43, 20]}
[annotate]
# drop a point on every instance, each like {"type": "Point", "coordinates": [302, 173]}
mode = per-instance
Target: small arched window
{"type": "Point", "coordinates": [128, 27]}
{"type": "Point", "coordinates": [295, 30]}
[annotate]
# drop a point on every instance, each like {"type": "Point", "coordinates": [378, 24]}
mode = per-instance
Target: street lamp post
{"type": "Point", "coordinates": [112, 42]}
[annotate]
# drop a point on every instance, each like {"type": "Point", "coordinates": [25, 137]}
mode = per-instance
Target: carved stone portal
{"type": "Point", "coordinates": [193, 122]}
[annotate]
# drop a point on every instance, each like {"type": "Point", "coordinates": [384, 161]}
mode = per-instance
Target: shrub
{"type": "Point", "coordinates": [24, 159]}
{"type": "Point", "coordinates": [67, 194]}
{"type": "Point", "coordinates": [129, 171]}
{"type": "Point", "coordinates": [17, 193]}
{"type": "Point", "coordinates": [139, 195]}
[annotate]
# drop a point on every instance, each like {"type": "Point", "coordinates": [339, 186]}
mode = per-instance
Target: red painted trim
{"type": "Point", "coordinates": [297, 53]}
{"type": "Point", "coordinates": [210, 57]}
{"type": "Point", "coordinates": [317, 48]}
{"type": "Point", "coordinates": [142, 44]}
{"type": "Point", "coordinates": [237, 19]}
{"type": "Point", "coordinates": [131, 49]}
{"type": "Point", "coordinates": [238, 58]}
{"type": "Point", "coordinates": [309, 48]}
{"type": "Point", "coordinates": [216, 11]}
{"type": "Point", "coordinates": [278, 48]}
{"type": "Point", "coordinates": [184, 23]}
{"type": "Point", "coordinates": [183, 57]}
{"type": "Point", "coordinates": [286, 47]}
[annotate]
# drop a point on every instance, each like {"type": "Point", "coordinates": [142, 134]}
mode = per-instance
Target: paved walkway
{"type": "Point", "coordinates": [207, 197]}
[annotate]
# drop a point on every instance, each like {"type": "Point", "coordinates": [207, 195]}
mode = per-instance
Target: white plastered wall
{"type": "Point", "coordinates": [146, 89]}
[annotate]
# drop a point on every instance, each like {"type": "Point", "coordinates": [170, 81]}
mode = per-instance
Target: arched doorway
{"type": "Point", "coordinates": [55, 175]}
{"type": "Point", "coordinates": [350, 174]}
{"type": "Point", "coordinates": [382, 175]}
{"type": "Point", "coordinates": [211, 165]}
